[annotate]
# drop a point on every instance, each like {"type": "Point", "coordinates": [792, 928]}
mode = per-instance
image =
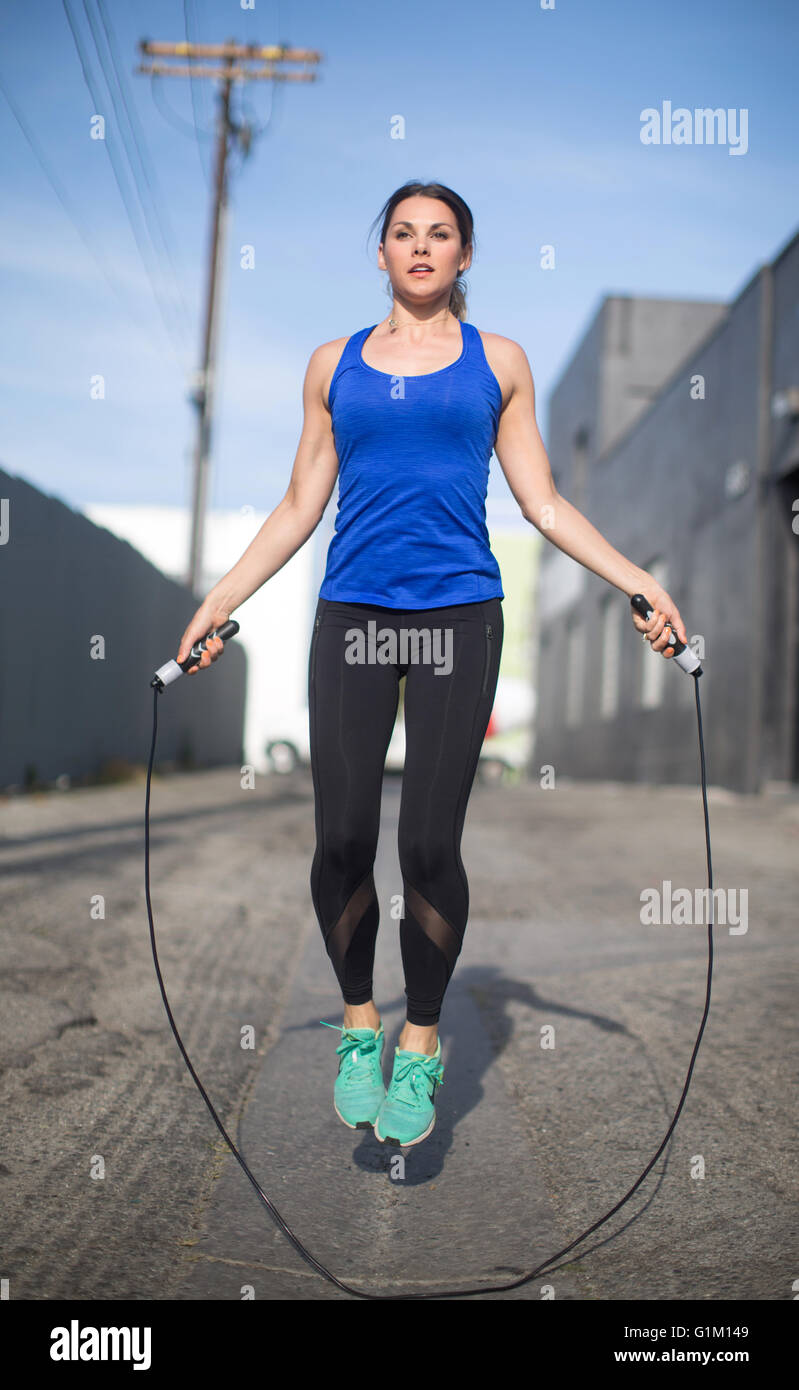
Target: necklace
{"type": "Point", "coordinates": [395, 323]}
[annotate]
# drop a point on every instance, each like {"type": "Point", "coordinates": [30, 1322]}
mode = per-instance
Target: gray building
{"type": "Point", "coordinates": [85, 621]}
{"type": "Point", "coordinates": [675, 431]}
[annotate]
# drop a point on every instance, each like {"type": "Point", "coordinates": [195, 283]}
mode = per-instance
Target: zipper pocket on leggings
{"type": "Point", "coordinates": [489, 635]}
{"type": "Point", "coordinates": [316, 627]}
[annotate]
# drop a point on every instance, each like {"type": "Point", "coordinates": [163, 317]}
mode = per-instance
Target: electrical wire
{"type": "Point", "coordinates": [131, 140]}
{"type": "Point", "coordinates": [286, 1229]}
{"type": "Point", "coordinates": [88, 77]}
{"type": "Point", "coordinates": [192, 86]}
{"type": "Point", "coordinates": [60, 192]}
{"type": "Point", "coordinates": [154, 199]}
{"type": "Point", "coordinates": [171, 116]}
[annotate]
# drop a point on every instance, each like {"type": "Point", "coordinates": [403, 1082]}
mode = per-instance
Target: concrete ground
{"type": "Point", "coordinates": [117, 1184]}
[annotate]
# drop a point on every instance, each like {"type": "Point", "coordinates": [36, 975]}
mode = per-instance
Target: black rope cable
{"type": "Point", "coordinates": [287, 1231]}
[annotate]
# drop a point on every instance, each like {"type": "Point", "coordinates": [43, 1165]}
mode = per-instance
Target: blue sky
{"type": "Point", "coordinates": [531, 114]}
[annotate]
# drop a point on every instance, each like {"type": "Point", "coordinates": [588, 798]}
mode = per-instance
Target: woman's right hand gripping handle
{"type": "Point", "coordinates": [206, 619]}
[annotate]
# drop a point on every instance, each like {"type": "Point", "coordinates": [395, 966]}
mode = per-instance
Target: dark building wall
{"type": "Point", "coordinates": [629, 351]}
{"type": "Point", "coordinates": [690, 484]}
{"type": "Point", "coordinates": [574, 407]}
{"type": "Point", "coordinates": [65, 581]}
{"type": "Point", "coordinates": [644, 341]}
{"type": "Point", "coordinates": [780, 647]}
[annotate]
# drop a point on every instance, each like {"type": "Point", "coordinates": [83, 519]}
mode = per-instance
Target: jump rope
{"type": "Point", "coordinates": [686, 659]}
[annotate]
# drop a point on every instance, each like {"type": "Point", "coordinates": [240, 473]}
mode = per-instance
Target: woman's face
{"type": "Point", "coordinates": [423, 231]}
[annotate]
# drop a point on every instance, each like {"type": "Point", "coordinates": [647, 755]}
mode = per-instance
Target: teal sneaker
{"type": "Point", "coordinates": [407, 1114]}
{"type": "Point", "coordinates": [359, 1090]}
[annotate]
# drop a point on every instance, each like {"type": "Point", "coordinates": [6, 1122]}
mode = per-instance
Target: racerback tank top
{"type": "Point", "coordinates": [414, 452]}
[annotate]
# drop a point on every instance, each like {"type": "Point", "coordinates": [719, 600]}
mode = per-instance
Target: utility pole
{"type": "Point", "coordinates": [235, 57]}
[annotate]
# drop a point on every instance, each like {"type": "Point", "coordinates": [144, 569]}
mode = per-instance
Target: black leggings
{"type": "Point", "coordinates": [451, 659]}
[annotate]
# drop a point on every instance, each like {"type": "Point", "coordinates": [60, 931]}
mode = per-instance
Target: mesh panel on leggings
{"type": "Point", "coordinates": [339, 938]}
{"type": "Point", "coordinates": [434, 926]}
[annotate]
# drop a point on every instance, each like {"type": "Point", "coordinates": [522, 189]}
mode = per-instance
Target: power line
{"type": "Point", "coordinates": [141, 184]}
{"type": "Point", "coordinates": [172, 117]}
{"type": "Point", "coordinates": [259, 130]}
{"type": "Point", "coordinates": [60, 192]}
{"type": "Point", "coordinates": [193, 86]}
{"type": "Point", "coordinates": [88, 78]}
{"type": "Point", "coordinates": [140, 146]}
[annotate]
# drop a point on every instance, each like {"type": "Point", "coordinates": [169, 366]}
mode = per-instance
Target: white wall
{"type": "Point", "coordinates": [275, 622]}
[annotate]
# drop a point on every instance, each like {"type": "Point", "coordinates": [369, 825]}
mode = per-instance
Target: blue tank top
{"type": "Point", "coordinates": [414, 454]}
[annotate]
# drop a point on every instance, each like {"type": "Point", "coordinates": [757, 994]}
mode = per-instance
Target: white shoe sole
{"type": "Point", "coordinates": [361, 1124]}
{"type": "Point", "coordinates": [406, 1143]}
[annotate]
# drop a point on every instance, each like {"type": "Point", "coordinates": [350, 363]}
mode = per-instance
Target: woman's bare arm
{"type": "Point", "coordinates": [302, 507]}
{"type": "Point", "coordinates": [524, 462]}
{"type": "Point", "coordinates": [296, 516]}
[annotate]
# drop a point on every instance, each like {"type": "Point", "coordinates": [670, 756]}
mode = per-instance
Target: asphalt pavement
{"type": "Point", "coordinates": [567, 1032]}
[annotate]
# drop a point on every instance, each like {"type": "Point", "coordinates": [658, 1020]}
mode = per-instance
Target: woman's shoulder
{"type": "Point", "coordinates": [506, 349]}
{"type": "Point", "coordinates": [324, 361]}
{"type": "Point", "coordinates": [506, 358]}
{"type": "Point", "coordinates": [327, 355]}
{"type": "Point", "coordinates": [333, 348]}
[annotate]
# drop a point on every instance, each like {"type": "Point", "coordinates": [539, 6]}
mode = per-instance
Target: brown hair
{"type": "Point", "coordinates": [463, 217]}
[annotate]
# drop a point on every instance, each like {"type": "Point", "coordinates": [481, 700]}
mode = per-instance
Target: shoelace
{"type": "Point", "coordinates": [409, 1082]}
{"type": "Point", "coordinates": [350, 1047]}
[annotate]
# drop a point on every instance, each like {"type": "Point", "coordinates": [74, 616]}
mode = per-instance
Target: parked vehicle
{"type": "Point", "coordinates": [504, 753]}
{"type": "Point", "coordinates": [292, 748]}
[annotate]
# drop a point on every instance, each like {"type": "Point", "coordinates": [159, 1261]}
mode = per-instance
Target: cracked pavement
{"type": "Point", "coordinates": [116, 1183]}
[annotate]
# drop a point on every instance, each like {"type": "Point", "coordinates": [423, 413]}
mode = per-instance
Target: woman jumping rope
{"type": "Point", "coordinates": [406, 413]}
